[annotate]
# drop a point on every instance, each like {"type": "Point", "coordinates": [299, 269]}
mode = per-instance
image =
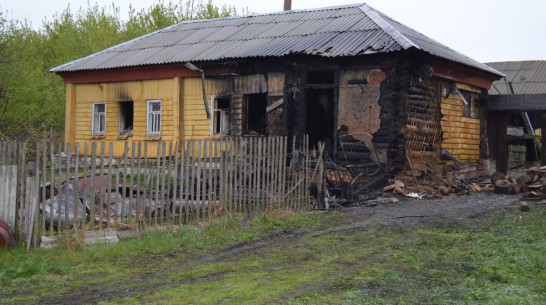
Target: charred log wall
{"type": "Point", "coordinates": [419, 132]}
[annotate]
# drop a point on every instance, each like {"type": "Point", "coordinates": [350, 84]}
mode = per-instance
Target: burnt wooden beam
{"type": "Point", "coordinates": [501, 149]}
{"type": "Point", "coordinates": [517, 102]}
{"type": "Point", "coordinates": [319, 86]}
{"type": "Point", "coordinates": [543, 141]}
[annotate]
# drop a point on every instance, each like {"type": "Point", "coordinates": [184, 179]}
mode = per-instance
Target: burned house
{"type": "Point", "coordinates": [369, 87]}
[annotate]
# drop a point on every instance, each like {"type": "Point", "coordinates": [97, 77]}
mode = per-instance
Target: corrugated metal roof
{"type": "Point", "coordinates": [526, 77]}
{"type": "Point", "coordinates": [331, 32]}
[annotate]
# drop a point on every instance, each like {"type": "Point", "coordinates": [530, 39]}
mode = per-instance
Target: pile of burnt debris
{"type": "Point", "coordinates": [530, 183]}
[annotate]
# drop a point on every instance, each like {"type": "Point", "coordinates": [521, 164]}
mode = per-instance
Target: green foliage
{"type": "Point", "coordinates": [32, 100]}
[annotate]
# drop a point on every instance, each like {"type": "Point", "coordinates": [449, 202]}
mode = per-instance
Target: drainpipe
{"type": "Point", "coordinates": [287, 5]}
{"type": "Point", "coordinates": [192, 67]}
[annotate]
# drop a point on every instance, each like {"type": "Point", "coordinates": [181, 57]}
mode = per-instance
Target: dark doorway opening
{"type": "Point", "coordinates": [256, 120]}
{"type": "Point", "coordinates": [320, 117]}
{"type": "Point", "coordinates": [126, 116]}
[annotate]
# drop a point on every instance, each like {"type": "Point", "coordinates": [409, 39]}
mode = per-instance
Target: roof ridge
{"type": "Point", "coordinates": [401, 39]}
{"type": "Point", "coordinates": [274, 13]}
{"type": "Point", "coordinates": [515, 61]}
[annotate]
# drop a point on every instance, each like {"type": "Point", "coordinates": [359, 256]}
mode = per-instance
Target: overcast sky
{"type": "Point", "coordinates": [486, 30]}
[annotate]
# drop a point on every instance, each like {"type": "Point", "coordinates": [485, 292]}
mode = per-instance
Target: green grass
{"type": "Point", "coordinates": [298, 259]}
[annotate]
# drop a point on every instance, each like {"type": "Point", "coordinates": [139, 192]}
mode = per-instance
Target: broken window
{"type": "Point", "coordinates": [98, 127]}
{"type": "Point", "coordinates": [256, 122]}
{"type": "Point", "coordinates": [126, 118]}
{"type": "Point", "coordinates": [220, 115]}
{"type": "Point", "coordinates": [153, 121]}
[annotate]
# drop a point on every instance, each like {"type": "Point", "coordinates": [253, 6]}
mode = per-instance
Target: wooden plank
{"type": "Point", "coordinates": [466, 87]}
{"type": "Point", "coordinates": [109, 184]}
{"type": "Point", "coordinates": [67, 181]}
{"type": "Point", "coordinates": [124, 216]}
{"type": "Point", "coordinates": [455, 135]}
{"type": "Point", "coordinates": [168, 203]}
{"type": "Point", "coordinates": [44, 181]}
{"type": "Point", "coordinates": [517, 102]}
{"type": "Point", "coordinates": [92, 187]}
{"type": "Point", "coordinates": [186, 181]}
{"type": "Point", "coordinates": [543, 140]}
{"type": "Point", "coordinates": [472, 126]}
{"type": "Point", "coordinates": [198, 177]}
{"type": "Point", "coordinates": [84, 168]}
{"type": "Point", "coordinates": [451, 112]}
{"type": "Point", "coordinates": [447, 106]}
{"type": "Point", "coordinates": [472, 147]}
{"type": "Point", "coordinates": [502, 143]}
{"type": "Point", "coordinates": [101, 187]}
{"type": "Point", "coordinates": [461, 130]}
{"type": "Point", "coordinates": [452, 102]}
{"type": "Point", "coordinates": [210, 172]}
{"type": "Point", "coordinates": [460, 141]}
{"type": "Point", "coordinates": [163, 178]}
{"type": "Point", "coordinates": [274, 105]}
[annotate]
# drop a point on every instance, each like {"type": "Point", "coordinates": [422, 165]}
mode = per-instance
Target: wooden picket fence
{"type": "Point", "coordinates": [196, 180]}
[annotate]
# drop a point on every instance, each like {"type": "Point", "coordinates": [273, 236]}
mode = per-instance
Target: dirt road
{"type": "Point", "coordinates": [289, 250]}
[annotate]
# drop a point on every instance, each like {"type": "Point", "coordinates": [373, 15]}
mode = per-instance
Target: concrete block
{"type": "Point", "coordinates": [128, 233]}
{"type": "Point", "coordinates": [100, 236]}
{"type": "Point", "coordinates": [49, 241]}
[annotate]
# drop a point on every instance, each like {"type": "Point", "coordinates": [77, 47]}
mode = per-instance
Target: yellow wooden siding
{"type": "Point", "coordinates": [195, 124]}
{"type": "Point", "coordinates": [70, 113]}
{"type": "Point", "coordinates": [139, 92]}
{"type": "Point", "coordinates": [461, 135]}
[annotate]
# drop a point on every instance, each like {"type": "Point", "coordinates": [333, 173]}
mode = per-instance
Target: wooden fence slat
{"type": "Point", "coordinates": [166, 197]}
{"type": "Point", "coordinates": [181, 175]}
{"type": "Point", "coordinates": [76, 182]}
{"type": "Point", "coordinates": [92, 188]}
{"type": "Point", "coordinates": [199, 197]}
{"type": "Point", "coordinates": [211, 172]}
{"type": "Point", "coordinates": [22, 181]}
{"type": "Point", "coordinates": [147, 211]}
{"type": "Point", "coordinates": [66, 226]}
{"type": "Point", "coordinates": [101, 187]}
{"type": "Point", "coordinates": [131, 199]}
{"type": "Point", "coordinates": [125, 202]}
{"type": "Point", "coordinates": [162, 204]}
{"type": "Point", "coordinates": [186, 182]}
{"type": "Point", "coordinates": [157, 179]}
{"type": "Point", "coordinates": [109, 186]}
{"type": "Point", "coordinates": [43, 188]}
{"type": "Point", "coordinates": [85, 186]}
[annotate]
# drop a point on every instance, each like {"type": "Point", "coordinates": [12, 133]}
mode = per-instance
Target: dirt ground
{"type": "Point", "coordinates": [454, 207]}
{"type": "Point", "coordinates": [406, 212]}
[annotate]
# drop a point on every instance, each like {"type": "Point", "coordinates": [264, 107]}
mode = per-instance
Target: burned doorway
{"type": "Point", "coordinates": [255, 119]}
{"type": "Point", "coordinates": [320, 108]}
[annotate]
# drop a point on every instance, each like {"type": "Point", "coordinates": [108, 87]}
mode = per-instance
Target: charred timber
{"type": "Point", "coordinates": [420, 97]}
{"type": "Point", "coordinates": [354, 155]}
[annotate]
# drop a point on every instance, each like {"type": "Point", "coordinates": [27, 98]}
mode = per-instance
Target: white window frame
{"type": "Point", "coordinates": [99, 132]}
{"type": "Point", "coordinates": [153, 119]}
{"type": "Point", "coordinates": [225, 116]}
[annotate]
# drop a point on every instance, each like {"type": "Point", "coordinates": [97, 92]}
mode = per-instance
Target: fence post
{"type": "Point", "coordinates": [31, 199]}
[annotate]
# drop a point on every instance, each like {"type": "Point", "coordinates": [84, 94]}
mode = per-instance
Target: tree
{"type": "Point", "coordinates": [32, 99]}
